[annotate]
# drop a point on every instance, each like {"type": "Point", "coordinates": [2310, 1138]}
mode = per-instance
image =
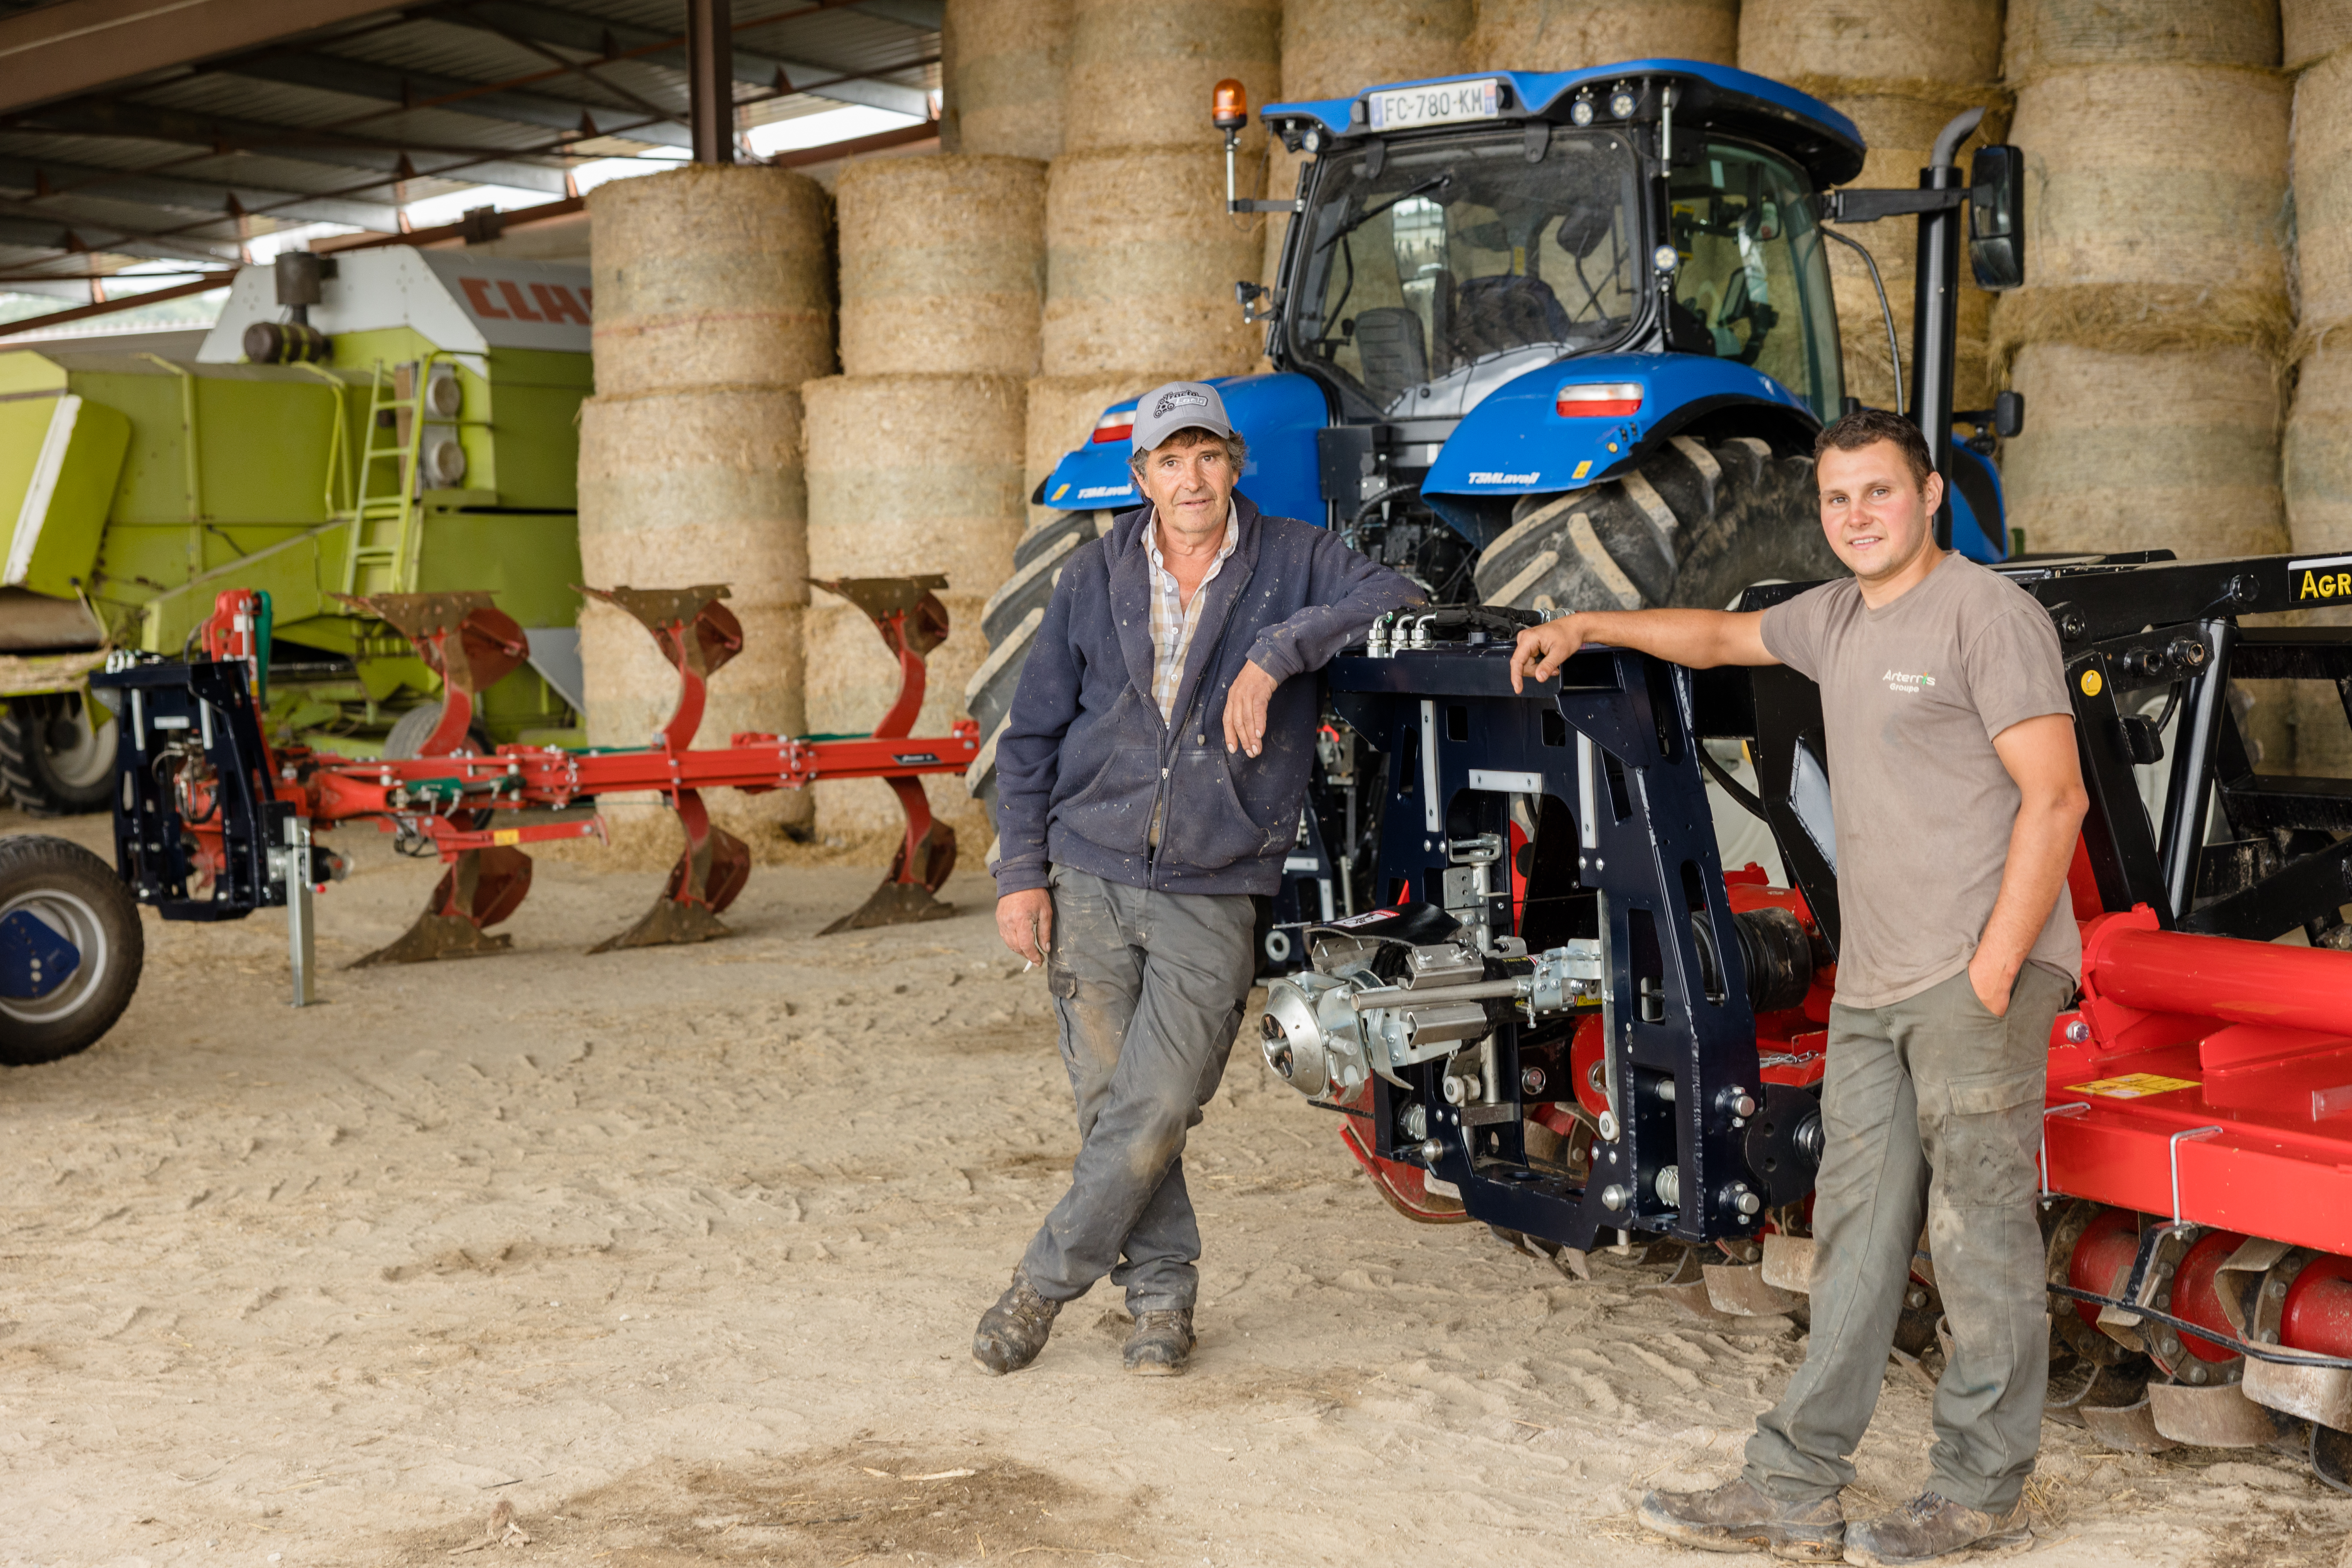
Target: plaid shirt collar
{"type": "Point", "coordinates": [1172, 620]}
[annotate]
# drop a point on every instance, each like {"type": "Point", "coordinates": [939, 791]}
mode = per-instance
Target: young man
{"type": "Point", "coordinates": [1957, 799]}
{"type": "Point", "coordinates": [1148, 782]}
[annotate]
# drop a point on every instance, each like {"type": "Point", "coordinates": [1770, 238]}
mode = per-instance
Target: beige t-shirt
{"type": "Point", "coordinates": [1912, 695]}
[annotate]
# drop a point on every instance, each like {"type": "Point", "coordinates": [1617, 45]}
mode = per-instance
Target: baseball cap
{"type": "Point", "coordinates": [1179, 406]}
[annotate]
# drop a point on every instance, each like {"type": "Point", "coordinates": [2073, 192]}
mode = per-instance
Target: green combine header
{"type": "Point", "coordinates": [387, 421]}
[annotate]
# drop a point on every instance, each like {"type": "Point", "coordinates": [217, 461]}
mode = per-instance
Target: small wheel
{"type": "Point", "coordinates": [56, 754]}
{"type": "Point", "coordinates": [413, 728]}
{"type": "Point", "coordinates": [70, 949]}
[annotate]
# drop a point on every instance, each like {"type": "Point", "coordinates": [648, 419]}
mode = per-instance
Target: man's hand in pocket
{"type": "Point", "coordinates": [1991, 986]}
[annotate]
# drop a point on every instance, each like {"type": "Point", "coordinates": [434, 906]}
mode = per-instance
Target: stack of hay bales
{"type": "Point", "coordinates": [2147, 341]}
{"type": "Point", "coordinates": [1002, 63]}
{"type": "Point", "coordinates": [2316, 464]}
{"type": "Point", "coordinates": [915, 454]}
{"type": "Point", "coordinates": [1904, 71]}
{"type": "Point", "coordinates": [1336, 48]}
{"type": "Point", "coordinates": [1140, 257]}
{"type": "Point", "coordinates": [713, 305]}
{"type": "Point", "coordinates": [1551, 35]}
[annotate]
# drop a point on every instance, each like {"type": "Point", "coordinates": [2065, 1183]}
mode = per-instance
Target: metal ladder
{"type": "Point", "coordinates": [382, 554]}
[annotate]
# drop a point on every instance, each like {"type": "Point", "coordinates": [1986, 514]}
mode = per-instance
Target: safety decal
{"type": "Point", "coordinates": [2091, 681]}
{"type": "Point", "coordinates": [1367, 917]}
{"type": "Point", "coordinates": [2132, 1085]}
{"type": "Point", "coordinates": [1059, 491]}
{"type": "Point", "coordinates": [1582, 469]}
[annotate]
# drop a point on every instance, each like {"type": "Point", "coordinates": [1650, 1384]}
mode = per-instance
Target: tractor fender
{"type": "Point", "coordinates": [1277, 415]}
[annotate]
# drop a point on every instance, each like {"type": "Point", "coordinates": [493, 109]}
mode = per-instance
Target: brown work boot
{"type": "Point", "coordinates": [1735, 1517]}
{"type": "Point", "coordinates": [1931, 1525]}
{"type": "Point", "coordinates": [1161, 1342]}
{"type": "Point", "coordinates": [1013, 1331]}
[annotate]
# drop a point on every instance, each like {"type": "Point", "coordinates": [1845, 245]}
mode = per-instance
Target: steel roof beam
{"type": "Point", "coordinates": [55, 51]}
{"type": "Point", "coordinates": [594, 36]}
{"type": "Point", "coordinates": [322, 145]}
{"type": "Point", "coordinates": [47, 234]}
{"type": "Point", "coordinates": [390, 84]}
{"type": "Point", "coordinates": [201, 197]}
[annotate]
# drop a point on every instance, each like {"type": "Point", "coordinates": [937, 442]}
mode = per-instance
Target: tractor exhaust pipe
{"type": "Point", "coordinates": [1935, 311]}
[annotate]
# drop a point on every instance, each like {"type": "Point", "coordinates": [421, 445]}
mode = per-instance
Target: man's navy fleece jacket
{"type": "Point", "coordinates": [1085, 756]}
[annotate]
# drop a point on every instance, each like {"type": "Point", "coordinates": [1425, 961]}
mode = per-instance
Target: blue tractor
{"type": "Point", "coordinates": [1556, 341]}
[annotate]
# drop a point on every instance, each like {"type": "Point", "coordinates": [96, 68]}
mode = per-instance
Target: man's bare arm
{"type": "Point", "coordinates": [2039, 756]}
{"type": "Point", "coordinates": [1699, 638]}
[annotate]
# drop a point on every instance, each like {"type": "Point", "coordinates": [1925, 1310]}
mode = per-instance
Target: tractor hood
{"type": "Point", "coordinates": [1519, 442]}
{"type": "Point", "coordinates": [1276, 414]}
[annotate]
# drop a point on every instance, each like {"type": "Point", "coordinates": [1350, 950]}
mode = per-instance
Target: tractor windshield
{"type": "Point", "coordinates": [1752, 284]}
{"type": "Point", "coordinates": [1457, 264]}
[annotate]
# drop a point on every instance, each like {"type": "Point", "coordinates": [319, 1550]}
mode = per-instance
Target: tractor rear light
{"type": "Point", "coordinates": [1117, 425]}
{"type": "Point", "coordinates": [1597, 400]}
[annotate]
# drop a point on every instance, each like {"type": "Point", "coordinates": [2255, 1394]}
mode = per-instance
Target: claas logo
{"type": "Point", "coordinates": [2321, 582]}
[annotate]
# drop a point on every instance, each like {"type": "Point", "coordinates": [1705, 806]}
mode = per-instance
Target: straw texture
{"type": "Point", "coordinates": [1958, 40]}
{"type": "Point", "coordinates": [1336, 48]}
{"type": "Point", "coordinates": [1127, 287]}
{"type": "Point", "coordinates": [2062, 35]}
{"type": "Point", "coordinates": [1569, 34]}
{"type": "Point", "coordinates": [2116, 194]}
{"type": "Point", "coordinates": [2136, 451]}
{"type": "Point", "coordinates": [2323, 192]}
{"type": "Point", "coordinates": [2312, 30]}
{"type": "Point", "coordinates": [1142, 75]}
{"type": "Point", "coordinates": [1003, 64]}
{"type": "Point", "coordinates": [942, 265]}
{"type": "Point", "coordinates": [710, 275]}
{"type": "Point", "coordinates": [915, 474]}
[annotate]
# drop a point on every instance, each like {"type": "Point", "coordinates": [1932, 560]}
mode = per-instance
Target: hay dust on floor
{"type": "Point", "coordinates": [673, 1257]}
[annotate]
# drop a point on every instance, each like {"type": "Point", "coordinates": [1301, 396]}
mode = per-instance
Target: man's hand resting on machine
{"type": "Point", "coordinates": [1699, 638]}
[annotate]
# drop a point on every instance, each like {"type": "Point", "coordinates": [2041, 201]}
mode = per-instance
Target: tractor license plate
{"type": "Point", "coordinates": [1440, 105]}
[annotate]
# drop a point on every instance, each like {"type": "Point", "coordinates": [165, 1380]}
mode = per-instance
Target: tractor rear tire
{"type": "Point", "coordinates": [1692, 527]}
{"type": "Point", "coordinates": [54, 762]}
{"type": "Point", "coordinates": [1010, 622]}
{"type": "Point", "coordinates": [77, 897]}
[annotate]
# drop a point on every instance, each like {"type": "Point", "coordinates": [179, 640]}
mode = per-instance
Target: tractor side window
{"type": "Point", "coordinates": [1460, 261]}
{"type": "Point", "coordinates": [1753, 285]}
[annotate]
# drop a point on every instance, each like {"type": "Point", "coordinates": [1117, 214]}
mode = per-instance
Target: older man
{"type": "Point", "coordinates": [1148, 782]}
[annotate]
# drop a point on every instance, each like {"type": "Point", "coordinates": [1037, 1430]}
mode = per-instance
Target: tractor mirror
{"type": "Point", "coordinates": [1997, 217]}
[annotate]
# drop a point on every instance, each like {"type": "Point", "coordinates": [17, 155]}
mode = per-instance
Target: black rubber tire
{"type": "Point", "coordinates": [77, 895]}
{"type": "Point", "coordinates": [1010, 622]}
{"type": "Point", "coordinates": [46, 773]}
{"type": "Point", "coordinates": [1692, 526]}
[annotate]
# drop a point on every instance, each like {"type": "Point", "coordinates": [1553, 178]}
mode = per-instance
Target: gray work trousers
{"type": "Point", "coordinates": [1149, 987]}
{"type": "Point", "coordinates": [1929, 1103]}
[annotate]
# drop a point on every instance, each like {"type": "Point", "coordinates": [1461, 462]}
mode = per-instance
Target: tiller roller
{"type": "Point", "coordinates": [212, 822]}
{"type": "Point", "coordinates": [1549, 1006]}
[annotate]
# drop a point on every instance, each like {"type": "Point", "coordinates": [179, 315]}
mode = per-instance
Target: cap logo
{"type": "Point", "coordinates": [1175, 400]}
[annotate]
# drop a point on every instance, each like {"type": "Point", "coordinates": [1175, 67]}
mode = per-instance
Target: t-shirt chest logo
{"type": "Point", "coordinates": [1905, 683]}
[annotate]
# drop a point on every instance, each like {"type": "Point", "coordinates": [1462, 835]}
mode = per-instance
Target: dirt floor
{"type": "Point", "coordinates": [675, 1256]}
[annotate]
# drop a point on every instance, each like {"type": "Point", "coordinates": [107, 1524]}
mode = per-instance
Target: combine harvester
{"type": "Point", "coordinates": [385, 421]}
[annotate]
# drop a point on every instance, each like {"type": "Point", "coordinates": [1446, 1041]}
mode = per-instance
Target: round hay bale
{"type": "Point", "coordinates": [1122, 292]}
{"type": "Point", "coordinates": [1552, 35]}
{"type": "Point", "coordinates": [2061, 35]}
{"type": "Point", "coordinates": [1336, 48]}
{"type": "Point", "coordinates": [915, 474]}
{"type": "Point", "coordinates": [852, 681]}
{"type": "Point", "coordinates": [1957, 41]}
{"type": "Point", "coordinates": [2323, 192]}
{"type": "Point", "coordinates": [1899, 121]}
{"type": "Point", "coordinates": [2138, 451]}
{"type": "Point", "coordinates": [2316, 463]}
{"type": "Point", "coordinates": [942, 265]}
{"type": "Point", "coordinates": [710, 275]}
{"type": "Point", "coordinates": [1003, 64]}
{"type": "Point", "coordinates": [1141, 76]}
{"type": "Point", "coordinates": [680, 488]}
{"type": "Point", "coordinates": [2117, 195]}
{"type": "Point", "coordinates": [2310, 30]}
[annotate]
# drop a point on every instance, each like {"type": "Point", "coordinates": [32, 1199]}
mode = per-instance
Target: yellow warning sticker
{"type": "Point", "coordinates": [507, 836]}
{"type": "Point", "coordinates": [1582, 469]}
{"type": "Point", "coordinates": [2091, 681]}
{"type": "Point", "coordinates": [2132, 1085]}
